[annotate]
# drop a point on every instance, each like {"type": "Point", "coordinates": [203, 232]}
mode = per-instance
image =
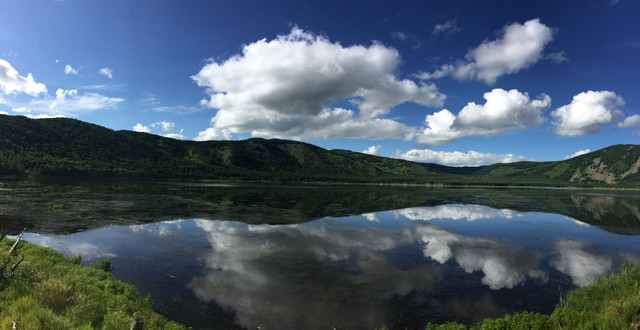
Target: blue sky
{"type": "Point", "coordinates": [450, 82]}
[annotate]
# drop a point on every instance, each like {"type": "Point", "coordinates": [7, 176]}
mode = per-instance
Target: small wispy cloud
{"type": "Point", "coordinates": [399, 35]}
{"type": "Point", "coordinates": [70, 70]}
{"type": "Point", "coordinates": [107, 72]}
{"type": "Point", "coordinates": [558, 57]}
{"type": "Point", "coordinates": [447, 28]}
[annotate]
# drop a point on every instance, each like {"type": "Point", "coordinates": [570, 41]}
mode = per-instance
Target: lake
{"type": "Point", "coordinates": [351, 257]}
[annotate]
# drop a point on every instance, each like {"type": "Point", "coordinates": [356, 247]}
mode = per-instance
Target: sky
{"type": "Point", "coordinates": [460, 83]}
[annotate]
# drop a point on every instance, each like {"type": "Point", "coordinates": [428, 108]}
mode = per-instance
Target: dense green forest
{"type": "Point", "coordinates": [68, 147]}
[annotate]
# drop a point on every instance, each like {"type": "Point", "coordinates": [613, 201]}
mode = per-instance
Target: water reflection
{"type": "Point", "coordinates": [583, 261]}
{"type": "Point", "coordinates": [289, 276]}
{"type": "Point", "coordinates": [399, 257]}
{"type": "Point", "coordinates": [457, 212]}
{"type": "Point", "coordinates": [94, 204]}
{"type": "Point", "coordinates": [292, 276]}
{"type": "Point", "coordinates": [503, 265]}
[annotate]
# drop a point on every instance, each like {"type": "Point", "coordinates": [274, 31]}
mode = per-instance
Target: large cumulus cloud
{"type": "Point", "coordinates": [519, 47]}
{"type": "Point", "coordinates": [287, 87]}
{"type": "Point", "coordinates": [502, 111]}
{"type": "Point", "coordinates": [12, 82]}
{"type": "Point", "coordinates": [587, 113]}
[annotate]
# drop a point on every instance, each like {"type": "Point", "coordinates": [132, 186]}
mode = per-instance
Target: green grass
{"type": "Point", "coordinates": [49, 291]}
{"type": "Point", "coordinates": [611, 302]}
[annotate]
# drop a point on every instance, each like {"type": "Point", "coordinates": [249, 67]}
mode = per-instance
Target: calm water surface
{"type": "Point", "coordinates": [239, 256]}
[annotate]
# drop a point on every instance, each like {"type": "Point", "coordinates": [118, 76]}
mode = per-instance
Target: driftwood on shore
{"type": "Point", "coordinates": [5, 265]}
{"type": "Point", "coordinates": [17, 240]}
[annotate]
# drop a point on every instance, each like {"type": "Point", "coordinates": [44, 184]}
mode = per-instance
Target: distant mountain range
{"type": "Point", "coordinates": [68, 147]}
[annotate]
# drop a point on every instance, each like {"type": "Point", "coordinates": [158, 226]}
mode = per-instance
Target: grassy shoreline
{"type": "Point", "coordinates": [49, 291]}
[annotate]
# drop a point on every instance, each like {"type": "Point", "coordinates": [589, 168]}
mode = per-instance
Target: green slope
{"type": "Point", "coordinates": [616, 165]}
{"type": "Point", "coordinates": [68, 147]}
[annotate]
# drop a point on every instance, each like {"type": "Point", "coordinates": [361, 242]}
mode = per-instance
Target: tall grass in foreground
{"type": "Point", "coordinates": [611, 302]}
{"type": "Point", "coordinates": [50, 291]}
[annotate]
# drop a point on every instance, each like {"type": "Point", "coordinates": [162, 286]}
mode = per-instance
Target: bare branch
{"type": "Point", "coordinates": [13, 269]}
{"type": "Point", "coordinates": [17, 240]}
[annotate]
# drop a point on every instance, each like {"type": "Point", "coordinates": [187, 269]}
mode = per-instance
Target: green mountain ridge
{"type": "Point", "coordinates": [68, 147]}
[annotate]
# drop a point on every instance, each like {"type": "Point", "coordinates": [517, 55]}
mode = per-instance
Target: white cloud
{"type": "Point", "coordinates": [162, 128]}
{"type": "Point", "coordinates": [21, 110]}
{"type": "Point", "coordinates": [3, 113]}
{"type": "Point", "coordinates": [45, 116]}
{"type": "Point", "coordinates": [212, 133]}
{"type": "Point", "coordinates": [502, 111]}
{"type": "Point", "coordinates": [519, 47]}
{"type": "Point", "coordinates": [457, 158]}
{"type": "Point", "coordinates": [179, 109]}
{"type": "Point", "coordinates": [587, 112]}
{"type": "Point", "coordinates": [372, 150]}
{"type": "Point", "coordinates": [107, 72]}
{"type": "Point", "coordinates": [141, 128]}
{"type": "Point", "coordinates": [177, 136]}
{"type": "Point", "coordinates": [69, 70]}
{"type": "Point", "coordinates": [70, 101]}
{"type": "Point", "coordinates": [165, 126]}
{"type": "Point", "coordinates": [577, 153]}
{"type": "Point", "coordinates": [447, 28]}
{"type": "Point", "coordinates": [285, 87]}
{"type": "Point", "coordinates": [445, 70]}
{"type": "Point", "coordinates": [11, 82]}
{"type": "Point", "coordinates": [631, 121]}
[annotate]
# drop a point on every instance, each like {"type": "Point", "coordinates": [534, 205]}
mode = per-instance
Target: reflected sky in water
{"type": "Point", "coordinates": [403, 267]}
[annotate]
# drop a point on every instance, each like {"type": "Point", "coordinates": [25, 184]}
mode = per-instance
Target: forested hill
{"type": "Point", "coordinates": [69, 147]}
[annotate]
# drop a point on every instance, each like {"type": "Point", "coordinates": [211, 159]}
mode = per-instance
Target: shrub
{"type": "Point", "coordinates": [105, 264]}
{"type": "Point", "coordinates": [76, 260]}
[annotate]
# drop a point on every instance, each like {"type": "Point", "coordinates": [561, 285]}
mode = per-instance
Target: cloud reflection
{"type": "Point", "coordinates": [285, 274]}
{"type": "Point", "coordinates": [457, 212]}
{"type": "Point", "coordinates": [262, 273]}
{"type": "Point", "coordinates": [583, 261]}
{"type": "Point", "coordinates": [503, 265]}
{"type": "Point", "coordinates": [88, 251]}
